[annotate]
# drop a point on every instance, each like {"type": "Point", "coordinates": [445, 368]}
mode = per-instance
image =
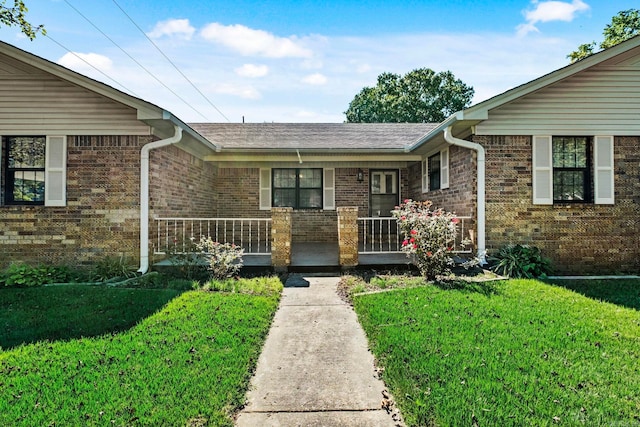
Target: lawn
{"type": "Point", "coordinates": [516, 353]}
{"type": "Point", "coordinates": [163, 357]}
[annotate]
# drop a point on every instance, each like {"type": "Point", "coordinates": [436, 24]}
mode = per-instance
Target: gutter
{"type": "Point", "coordinates": [144, 194]}
{"type": "Point", "coordinates": [479, 149]}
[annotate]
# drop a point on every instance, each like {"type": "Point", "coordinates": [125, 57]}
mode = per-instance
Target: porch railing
{"type": "Point", "coordinates": [174, 235]}
{"type": "Point", "coordinates": [383, 235]}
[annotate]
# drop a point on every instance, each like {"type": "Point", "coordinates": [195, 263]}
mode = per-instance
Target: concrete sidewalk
{"type": "Point", "coordinates": [315, 368]}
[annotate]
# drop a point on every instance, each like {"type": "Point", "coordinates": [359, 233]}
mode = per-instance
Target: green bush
{"type": "Point", "coordinates": [113, 268]}
{"type": "Point", "coordinates": [24, 275]}
{"type": "Point", "coordinates": [521, 261]}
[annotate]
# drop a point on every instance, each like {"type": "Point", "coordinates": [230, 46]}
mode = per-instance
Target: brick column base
{"type": "Point", "coordinates": [281, 238]}
{"type": "Point", "coordinates": [348, 236]}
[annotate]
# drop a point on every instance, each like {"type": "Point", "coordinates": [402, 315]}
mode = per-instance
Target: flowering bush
{"type": "Point", "coordinates": [429, 235]}
{"type": "Point", "coordinates": [223, 259]}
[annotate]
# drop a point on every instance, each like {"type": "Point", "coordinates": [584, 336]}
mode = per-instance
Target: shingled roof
{"type": "Point", "coordinates": [313, 136]}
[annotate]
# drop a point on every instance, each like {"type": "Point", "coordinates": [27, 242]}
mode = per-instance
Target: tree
{"type": "Point", "coordinates": [623, 26]}
{"type": "Point", "coordinates": [420, 96]}
{"type": "Point", "coordinates": [15, 15]}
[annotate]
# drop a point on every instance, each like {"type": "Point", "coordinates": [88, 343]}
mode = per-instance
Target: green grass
{"type": "Point", "coordinates": [517, 353]}
{"type": "Point", "coordinates": [28, 315]}
{"type": "Point", "coordinates": [187, 364]}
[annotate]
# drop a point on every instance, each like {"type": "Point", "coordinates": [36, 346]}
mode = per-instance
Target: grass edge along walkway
{"type": "Point", "coordinates": [525, 353]}
{"type": "Point", "coordinates": [188, 364]}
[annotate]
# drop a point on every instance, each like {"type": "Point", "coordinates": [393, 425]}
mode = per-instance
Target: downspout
{"type": "Point", "coordinates": [479, 149]}
{"type": "Point", "coordinates": [144, 194]}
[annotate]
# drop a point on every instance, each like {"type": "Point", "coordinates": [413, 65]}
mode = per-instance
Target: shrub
{"type": "Point", "coordinates": [521, 261]}
{"type": "Point", "coordinates": [113, 268]}
{"type": "Point", "coordinates": [223, 259]}
{"type": "Point", "coordinates": [428, 235]}
{"type": "Point", "coordinates": [187, 262]}
{"type": "Point", "coordinates": [23, 275]}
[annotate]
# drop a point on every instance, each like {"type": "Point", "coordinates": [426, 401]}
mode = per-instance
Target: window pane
{"type": "Point", "coordinates": [568, 185]}
{"type": "Point", "coordinates": [376, 183]}
{"type": "Point", "coordinates": [310, 178]}
{"type": "Point", "coordinates": [390, 187]}
{"type": "Point", "coordinates": [284, 178]}
{"type": "Point", "coordinates": [284, 197]}
{"type": "Point", "coordinates": [26, 152]}
{"type": "Point", "coordinates": [310, 198]}
{"type": "Point", "coordinates": [434, 172]}
{"type": "Point", "coordinates": [570, 152]}
{"type": "Point", "coordinates": [28, 186]}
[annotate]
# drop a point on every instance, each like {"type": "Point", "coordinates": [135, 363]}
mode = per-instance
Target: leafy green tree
{"type": "Point", "coordinates": [420, 96]}
{"type": "Point", "coordinates": [623, 26]}
{"type": "Point", "coordinates": [15, 15]}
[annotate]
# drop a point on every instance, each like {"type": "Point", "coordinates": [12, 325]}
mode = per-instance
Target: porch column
{"type": "Point", "coordinates": [348, 236]}
{"type": "Point", "coordinates": [281, 238]}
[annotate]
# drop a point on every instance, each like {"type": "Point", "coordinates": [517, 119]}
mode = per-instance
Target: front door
{"type": "Point", "coordinates": [383, 193]}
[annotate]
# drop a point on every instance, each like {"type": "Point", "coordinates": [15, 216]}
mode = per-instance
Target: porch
{"type": "Point", "coordinates": [268, 243]}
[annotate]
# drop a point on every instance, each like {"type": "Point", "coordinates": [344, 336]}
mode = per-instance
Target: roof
{"type": "Point", "coordinates": [313, 136]}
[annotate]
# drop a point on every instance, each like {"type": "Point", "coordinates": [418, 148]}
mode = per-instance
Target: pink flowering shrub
{"type": "Point", "coordinates": [429, 236]}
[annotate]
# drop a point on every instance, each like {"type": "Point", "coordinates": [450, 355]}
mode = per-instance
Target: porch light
{"type": "Point", "coordinates": [360, 175]}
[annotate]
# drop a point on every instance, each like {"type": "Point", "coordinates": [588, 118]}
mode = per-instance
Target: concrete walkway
{"type": "Point", "coordinates": [315, 368]}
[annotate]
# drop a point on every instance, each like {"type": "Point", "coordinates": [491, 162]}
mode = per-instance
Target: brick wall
{"type": "Point", "coordinates": [350, 192]}
{"type": "Point", "coordinates": [460, 197]}
{"type": "Point", "coordinates": [237, 193]}
{"type": "Point", "coordinates": [101, 218]}
{"type": "Point", "coordinates": [579, 238]}
{"type": "Point", "coordinates": [181, 185]}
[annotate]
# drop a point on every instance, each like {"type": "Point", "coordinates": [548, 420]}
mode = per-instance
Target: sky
{"type": "Point", "coordinates": [304, 61]}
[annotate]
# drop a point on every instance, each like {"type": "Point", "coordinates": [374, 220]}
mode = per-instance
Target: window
{"type": "Point", "coordinates": [569, 169]}
{"type": "Point", "coordinates": [25, 170]}
{"type": "Point", "coordinates": [571, 166]}
{"type": "Point", "coordinates": [297, 188]}
{"type": "Point", "coordinates": [433, 165]}
{"type": "Point", "coordinates": [435, 171]}
{"type": "Point", "coordinates": [384, 194]}
{"type": "Point", "coordinates": [384, 182]}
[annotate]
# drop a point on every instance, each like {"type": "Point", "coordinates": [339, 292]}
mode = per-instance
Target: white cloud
{"type": "Point", "coordinates": [173, 27]}
{"type": "Point", "coordinates": [248, 41]}
{"type": "Point", "coordinates": [85, 61]}
{"type": "Point", "coordinates": [241, 91]}
{"type": "Point", "coordinates": [552, 10]}
{"type": "Point", "coordinates": [316, 79]}
{"type": "Point", "coordinates": [252, 70]}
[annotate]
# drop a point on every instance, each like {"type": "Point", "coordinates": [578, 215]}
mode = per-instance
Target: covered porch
{"type": "Point", "coordinates": [268, 243]}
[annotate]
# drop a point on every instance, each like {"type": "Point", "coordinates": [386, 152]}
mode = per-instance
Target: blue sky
{"type": "Point", "coordinates": [303, 61]}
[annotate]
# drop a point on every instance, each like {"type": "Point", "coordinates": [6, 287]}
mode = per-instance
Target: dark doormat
{"type": "Point", "coordinates": [296, 281]}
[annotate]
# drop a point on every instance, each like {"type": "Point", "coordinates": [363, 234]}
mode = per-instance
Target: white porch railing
{"type": "Point", "coordinates": [382, 235]}
{"type": "Point", "coordinates": [173, 235]}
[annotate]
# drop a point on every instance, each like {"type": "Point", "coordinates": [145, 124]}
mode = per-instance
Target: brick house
{"type": "Point", "coordinates": [553, 163]}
